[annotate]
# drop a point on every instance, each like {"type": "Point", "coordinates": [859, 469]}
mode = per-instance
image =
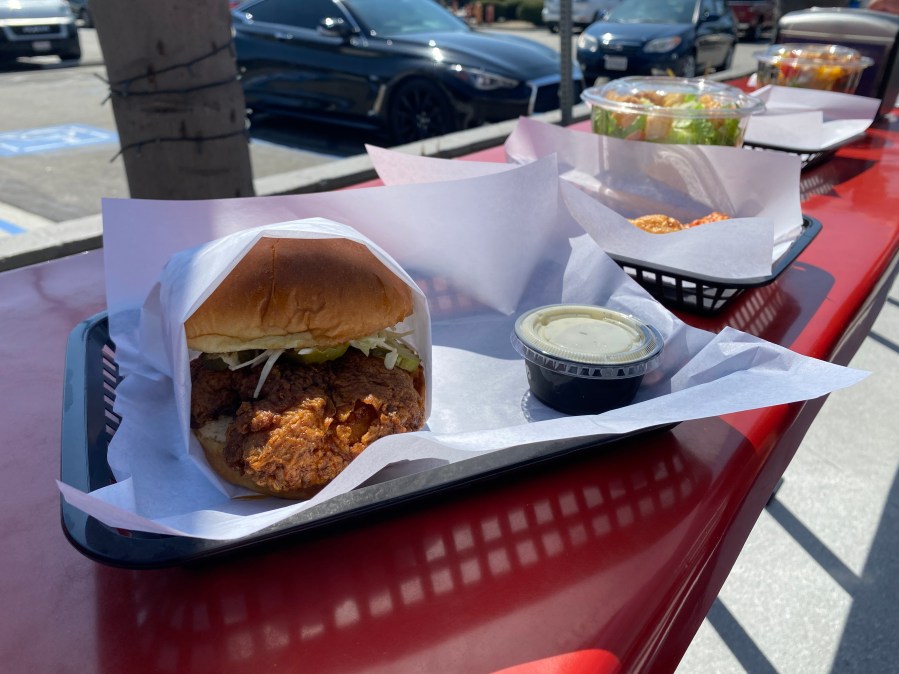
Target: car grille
{"type": "Point", "coordinates": [546, 96]}
{"type": "Point", "coordinates": [621, 49]}
{"type": "Point", "coordinates": [30, 31]}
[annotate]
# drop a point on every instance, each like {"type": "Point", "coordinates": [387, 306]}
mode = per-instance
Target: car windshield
{"type": "Point", "coordinates": [654, 11]}
{"type": "Point", "coordinates": [403, 17]}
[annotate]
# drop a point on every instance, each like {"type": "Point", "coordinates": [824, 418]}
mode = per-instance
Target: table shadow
{"type": "Point", "coordinates": [473, 565]}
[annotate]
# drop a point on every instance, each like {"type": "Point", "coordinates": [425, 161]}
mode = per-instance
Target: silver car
{"type": "Point", "coordinates": [583, 12]}
{"type": "Point", "coordinates": [38, 28]}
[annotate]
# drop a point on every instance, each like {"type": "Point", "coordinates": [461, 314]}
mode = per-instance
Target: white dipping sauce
{"type": "Point", "coordinates": [585, 334]}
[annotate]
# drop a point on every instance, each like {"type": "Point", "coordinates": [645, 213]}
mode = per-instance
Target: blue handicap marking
{"type": "Point", "coordinates": [10, 228]}
{"type": "Point", "coordinates": [50, 138]}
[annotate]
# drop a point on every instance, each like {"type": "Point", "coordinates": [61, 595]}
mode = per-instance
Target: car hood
{"type": "Point", "coordinates": [34, 9]}
{"type": "Point", "coordinates": [506, 55]}
{"type": "Point", "coordinates": [637, 32]}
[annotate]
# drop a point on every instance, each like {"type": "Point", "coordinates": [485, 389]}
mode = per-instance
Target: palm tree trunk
{"type": "Point", "coordinates": [178, 105]}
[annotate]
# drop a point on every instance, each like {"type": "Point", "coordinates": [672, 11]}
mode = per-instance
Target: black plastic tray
{"type": "Point", "coordinates": [808, 157]}
{"type": "Point", "coordinates": [706, 294]}
{"type": "Point", "coordinates": [89, 423]}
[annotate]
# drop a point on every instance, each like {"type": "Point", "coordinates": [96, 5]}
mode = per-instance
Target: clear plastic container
{"type": "Point", "coordinates": [829, 67]}
{"type": "Point", "coordinates": [584, 359]}
{"type": "Point", "coordinates": [680, 110]}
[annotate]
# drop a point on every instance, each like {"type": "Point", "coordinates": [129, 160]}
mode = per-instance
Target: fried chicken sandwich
{"type": "Point", "coordinates": [299, 366]}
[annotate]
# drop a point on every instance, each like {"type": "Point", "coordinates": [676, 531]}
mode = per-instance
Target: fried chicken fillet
{"type": "Point", "coordinates": [664, 224]}
{"type": "Point", "coordinates": [309, 421]}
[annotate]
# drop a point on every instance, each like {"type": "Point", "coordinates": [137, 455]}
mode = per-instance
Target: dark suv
{"type": "Point", "coordinates": [38, 28]}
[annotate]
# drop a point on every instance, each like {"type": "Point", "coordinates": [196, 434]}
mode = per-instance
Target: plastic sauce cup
{"type": "Point", "coordinates": [583, 359]}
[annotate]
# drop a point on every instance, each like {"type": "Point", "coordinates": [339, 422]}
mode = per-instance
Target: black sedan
{"type": "Point", "coordinates": [659, 37]}
{"type": "Point", "coordinates": [405, 66]}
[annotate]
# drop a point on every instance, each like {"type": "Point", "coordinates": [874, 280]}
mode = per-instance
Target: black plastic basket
{"type": "Point", "coordinates": [808, 159]}
{"type": "Point", "coordinates": [705, 294]}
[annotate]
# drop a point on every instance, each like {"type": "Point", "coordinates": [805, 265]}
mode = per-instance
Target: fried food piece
{"type": "Point", "coordinates": [658, 224]}
{"type": "Point", "coordinates": [714, 216]}
{"type": "Point", "coordinates": [308, 424]}
{"type": "Point", "coordinates": [665, 224]}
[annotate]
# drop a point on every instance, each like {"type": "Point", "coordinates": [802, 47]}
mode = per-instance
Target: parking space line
{"type": "Point", "coordinates": [15, 221]}
{"type": "Point", "coordinates": [10, 228]}
{"type": "Point", "coordinates": [50, 138]}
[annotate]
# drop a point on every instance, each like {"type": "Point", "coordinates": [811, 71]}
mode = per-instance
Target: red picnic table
{"type": "Point", "coordinates": [596, 562]}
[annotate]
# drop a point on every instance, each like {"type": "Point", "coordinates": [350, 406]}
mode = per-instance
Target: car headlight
{"type": "Point", "coordinates": [482, 80]}
{"type": "Point", "coordinates": [662, 44]}
{"type": "Point", "coordinates": [587, 42]}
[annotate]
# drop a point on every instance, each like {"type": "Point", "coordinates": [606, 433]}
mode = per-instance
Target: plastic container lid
{"type": "Point", "coordinates": [654, 92]}
{"type": "Point", "coordinates": [813, 55]}
{"type": "Point", "coordinates": [587, 341]}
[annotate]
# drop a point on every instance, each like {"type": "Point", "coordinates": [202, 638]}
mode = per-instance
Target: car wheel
{"type": "Point", "coordinates": [419, 109]}
{"type": "Point", "coordinates": [729, 59]}
{"type": "Point", "coordinates": [553, 27]}
{"type": "Point", "coordinates": [755, 32]}
{"type": "Point", "coordinates": [73, 55]}
{"type": "Point", "coordinates": [688, 67]}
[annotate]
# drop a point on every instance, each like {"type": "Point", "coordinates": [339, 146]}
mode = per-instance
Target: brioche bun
{"type": "Point", "coordinates": [299, 293]}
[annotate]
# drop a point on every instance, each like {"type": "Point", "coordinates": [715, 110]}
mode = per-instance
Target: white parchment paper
{"type": "Point", "coordinates": [187, 281]}
{"type": "Point", "coordinates": [760, 191]}
{"type": "Point", "coordinates": [808, 120]}
{"type": "Point", "coordinates": [483, 249]}
{"type": "Point", "coordinates": [626, 179]}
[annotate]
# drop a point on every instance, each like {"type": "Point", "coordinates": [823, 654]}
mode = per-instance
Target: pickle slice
{"type": "Point", "coordinates": [400, 356]}
{"type": "Point", "coordinates": [409, 363]}
{"type": "Point", "coordinates": [322, 355]}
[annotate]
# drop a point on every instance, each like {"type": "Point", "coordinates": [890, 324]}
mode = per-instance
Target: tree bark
{"type": "Point", "coordinates": [178, 104]}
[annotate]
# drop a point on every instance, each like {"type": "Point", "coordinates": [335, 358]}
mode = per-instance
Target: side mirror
{"type": "Point", "coordinates": [334, 27]}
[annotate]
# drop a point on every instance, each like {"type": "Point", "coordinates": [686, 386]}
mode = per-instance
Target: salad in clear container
{"type": "Point", "coordinates": [680, 110]}
{"type": "Point", "coordinates": [829, 67]}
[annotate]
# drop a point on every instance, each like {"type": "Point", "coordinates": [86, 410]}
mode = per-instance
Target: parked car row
{"type": "Point", "coordinates": [408, 67]}
{"type": "Point", "coordinates": [753, 17]}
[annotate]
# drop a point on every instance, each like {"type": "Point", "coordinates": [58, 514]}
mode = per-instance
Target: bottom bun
{"type": "Point", "coordinates": [212, 437]}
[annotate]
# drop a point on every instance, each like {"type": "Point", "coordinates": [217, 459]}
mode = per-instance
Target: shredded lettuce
{"type": "Point", "coordinates": [389, 344]}
{"type": "Point", "coordinates": [384, 343]}
{"type": "Point", "coordinates": [266, 369]}
{"type": "Point", "coordinates": [270, 356]}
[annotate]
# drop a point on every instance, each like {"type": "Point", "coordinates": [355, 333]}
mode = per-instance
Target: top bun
{"type": "Point", "coordinates": [299, 293]}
